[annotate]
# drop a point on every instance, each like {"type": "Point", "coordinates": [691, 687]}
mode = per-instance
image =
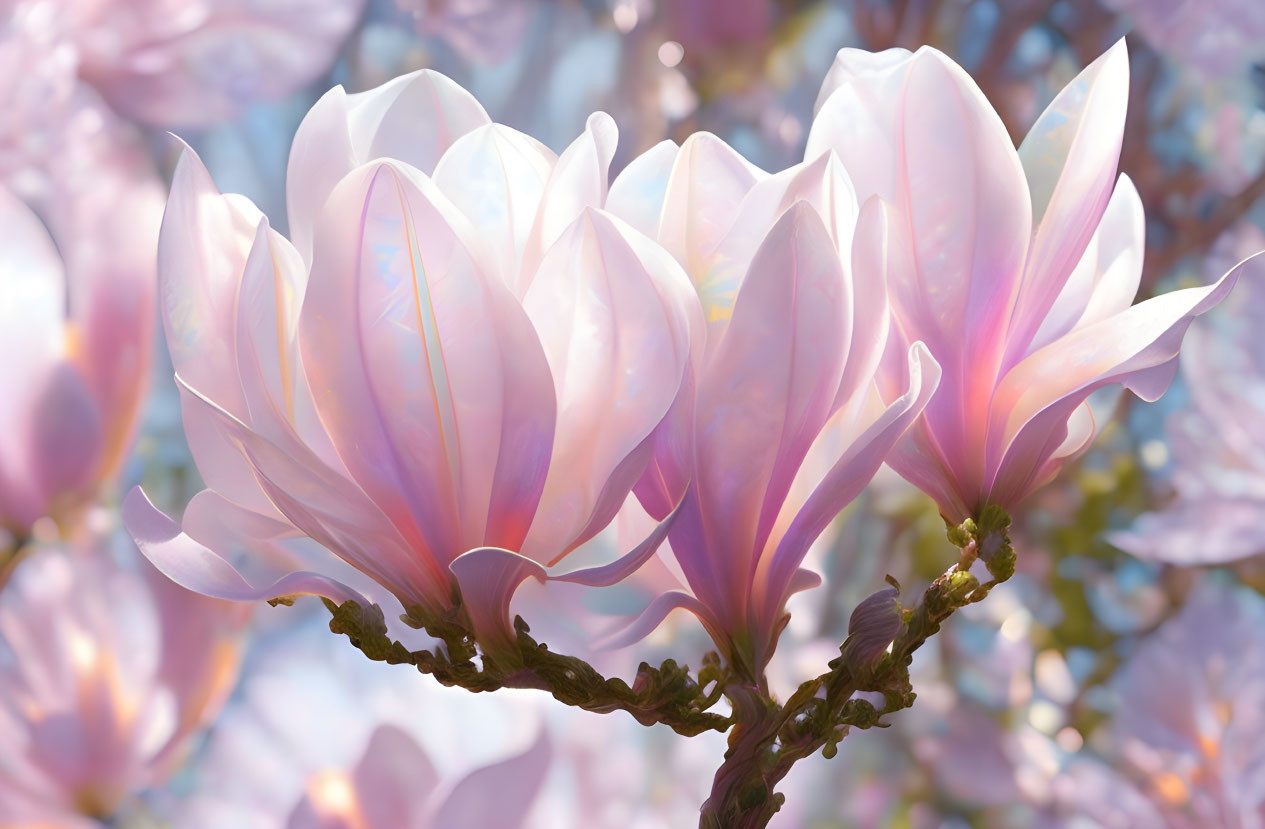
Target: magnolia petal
{"type": "Point", "coordinates": [161, 65]}
{"type": "Point", "coordinates": [1069, 158]}
{"type": "Point", "coordinates": [1137, 347]}
{"type": "Point", "coordinates": [66, 434]}
{"type": "Point", "coordinates": [320, 155]}
{"type": "Point", "coordinates": [442, 408]}
{"type": "Point", "coordinates": [766, 392]}
{"type": "Point", "coordinates": [653, 616]}
{"type": "Point", "coordinates": [708, 182]}
{"type": "Point", "coordinates": [197, 568]}
{"type": "Point", "coordinates": [498, 795]}
{"type": "Point", "coordinates": [1196, 532]}
{"type": "Point", "coordinates": [849, 475]}
{"type": "Point", "coordinates": [617, 318]}
{"type": "Point", "coordinates": [638, 193]}
{"type": "Point", "coordinates": [822, 183]}
{"type": "Point", "coordinates": [329, 508]}
{"type": "Point", "coordinates": [414, 118]}
{"type": "Point", "coordinates": [621, 568]}
{"type": "Point", "coordinates": [488, 578]}
{"type": "Point", "coordinates": [202, 249]}
{"type": "Point", "coordinates": [395, 778]}
{"type": "Point", "coordinates": [857, 117]}
{"type": "Point", "coordinates": [497, 177]}
{"type": "Point", "coordinates": [578, 181]}
{"type": "Point", "coordinates": [1121, 243]}
{"type": "Point", "coordinates": [871, 628]}
{"type": "Point", "coordinates": [850, 62]}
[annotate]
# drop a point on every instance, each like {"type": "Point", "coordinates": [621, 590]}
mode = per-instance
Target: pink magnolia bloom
{"type": "Point", "coordinates": [78, 225]}
{"type": "Point", "coordinates": [1017, 269]}
{"type": "Point", "coordinates": [782, 427]}
{"type": "Point", "coordinates": [1217, 444]}
{"type": "Point", "coordinates": [107, 669]}
{"type": "Point", "coordinates": [188, 62]}
{"type": "Point", "coordinates": [460, 353]}
{"type": "Point", "coordinates": [1191, 713]}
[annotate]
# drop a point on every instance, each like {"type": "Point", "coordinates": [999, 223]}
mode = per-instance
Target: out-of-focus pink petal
{"type": "Point", "coordinates": [849, 475]}
{"type": "Point", "coordinates": [395, 779]}
{"type": "Point", "coordinates": [196, 568]}
{"type": "Point", "coordinates": [765, 394]}
{"type": "Point", "coordinates": [617, 318]}
{"type": "Point", "coordinates": [67, 435]}
{"type": "Point", "coordinates": [1069, 158]}
{"type": "Point", "coordinates": [499, 795]}
{"type": "Point", "coordinates": [578, 181]}
{"type": "Point", "coordinates": [441, 406]}
{"type": "Point", "coordinates": [497, 177]}
{"type": "Point", "coordinates": [1196, 532]}
{"type": "Point", "coordinates": [173, 63]}
{"type": "Point", "coordinates": [637, 194]}
{"type": "Point", "coordinates": [414, 118]}
{"type": "Point", "coordinates": [488, 578]}
{"type": "Point", "coordinates": [32, 317]}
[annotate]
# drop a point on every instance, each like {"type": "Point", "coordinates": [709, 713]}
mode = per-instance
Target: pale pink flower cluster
{"type": "Point", "coordinates": [471, 351]}
{"type": "Point", "coordinates": [107, 669]}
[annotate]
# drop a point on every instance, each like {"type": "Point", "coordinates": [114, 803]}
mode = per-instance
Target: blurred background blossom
{"type": "Point", "coordinates": [1115, 681]}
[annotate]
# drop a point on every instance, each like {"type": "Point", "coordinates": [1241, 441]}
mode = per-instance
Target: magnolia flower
{"type": "Point", "coordinates": [459, 353]}
{"type": "Point", "coordinates": [187, 62]}
{"type": "Point", "coordinates": [107, 669]}
{"type": "Point", "coordinates": [1216, 441]}
{"type": "Point", "coordinates": [1192, 712]}
{"type": "Point", "coordinates": [77, 235]}
{"type": "Point", "coordinates": [1222, 40]}
{"type": "Point", "coordinates": [1015, 268]}
{"type": "Point", "coordinates": [780, 429]}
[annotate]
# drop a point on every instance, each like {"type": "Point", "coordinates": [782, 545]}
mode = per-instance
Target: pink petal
{"type": "Point", "coordinates": [488, 578]}
{"type": "Point", "coordinates": [578, 181]}
{"type": "Point", "coordinates": [324, 505]}
{"type": "Point", "coordinates": [1069, 158]}
{"type": "Point", "coordinates": [617, 318]}
{"type": "Point", "coordinates": [1106, 279]}
{"type": "Point", "coordinates": [202, 249]}
{"type": "Point", "coordinates": [638, 193]}
{"type": "Point", "coordinates": [393, 780]}
{"type": "Point", "coordinates": [441, 405]}
{"type": "Point", "coordinates": [1137, 347]}
{"type": "Point", "coordinates": [196, 568]}
{"type": "Point", "coordinates": [707, 184]}
{"type": "Point", "coordinates": [857, 116]}
{"type": "Point", "coordinates": [32, 323]}
{"type": "Point", "coordinates": [414, 118]}
{"type": "Point", "coordinates": [497, 177]}
{"type": "Point", "coordinates": [765, 394]}
{"type": "Point", "coordinates": [203, 70]}
{"type": "Point", "coordinates": [621, 568]}
{"type": "Point", "coordinates": [499, 795]}
{"type": "Point", "coordinates": [850, 474]}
